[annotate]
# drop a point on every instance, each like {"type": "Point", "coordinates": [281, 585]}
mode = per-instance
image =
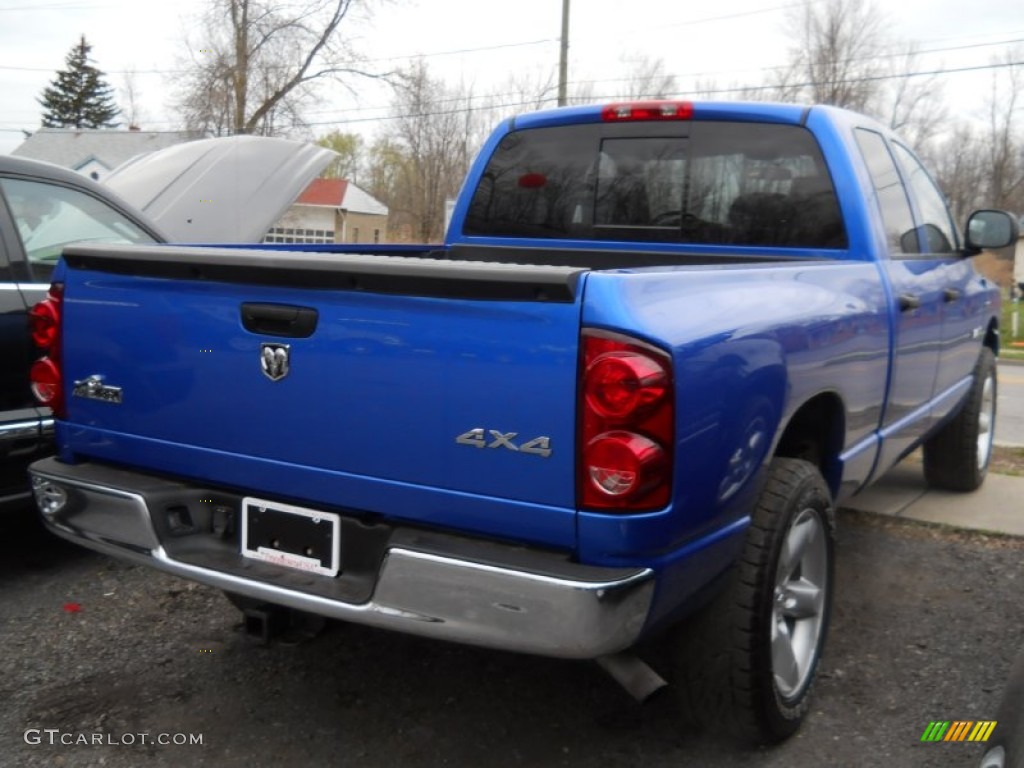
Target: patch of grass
{"type": "Point", "coordinates": [1007, 323]}
{"type": "Point", "coordinates": [1006, 330]}
{"type": "Point", "coordinates": [1007, 461]}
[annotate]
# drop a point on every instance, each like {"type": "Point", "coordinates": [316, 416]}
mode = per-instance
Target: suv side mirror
{"type": "Point", "coordinates": [991, 229]}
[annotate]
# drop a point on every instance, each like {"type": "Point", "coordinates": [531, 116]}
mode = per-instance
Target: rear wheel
{"type": "Point", "coordinates": [746, 664]}
{"type": "Point", "coordinates": [957, 456]}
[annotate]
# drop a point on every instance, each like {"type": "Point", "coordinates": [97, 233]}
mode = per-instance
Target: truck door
{"type": "Point", "coordinates": [964, 300]}
{"type": "Point", "coordinates": [19, 419]}
{"type": "Point", "coordinates": [917, 303]}
{"type": "Point", "coordinates": [38, 217]}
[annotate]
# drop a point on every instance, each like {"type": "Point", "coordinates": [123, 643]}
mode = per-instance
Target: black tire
{"type": "Point", "coordinates": [733, 673]}
{"type": "Point", "coordinates": [1006, 748]}
{"type": "Point", "coordinates": [956, 457]}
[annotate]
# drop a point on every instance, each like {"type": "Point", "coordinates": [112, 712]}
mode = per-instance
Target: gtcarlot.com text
{"type": "Point", "coordinates": [57, 737]}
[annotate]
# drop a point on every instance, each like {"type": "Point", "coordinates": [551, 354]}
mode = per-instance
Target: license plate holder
{"type": "Point", "coordinates": [295, 537]}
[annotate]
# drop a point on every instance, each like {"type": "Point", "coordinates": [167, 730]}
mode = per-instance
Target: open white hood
{"type": "Point", "coordinates": [230, 189]}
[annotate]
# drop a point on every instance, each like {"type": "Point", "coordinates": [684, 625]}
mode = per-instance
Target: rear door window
{"type": "Point", "coordinates": [939, 233]}
{"type": "Point", "coordinates": [892, 195]}
{"type": "Point", "coordinates": [49, 216]}
{"type": "Point", "coordinates": [717, 183]}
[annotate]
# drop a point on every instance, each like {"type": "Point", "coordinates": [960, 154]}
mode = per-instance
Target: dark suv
{"type": "Point", "coordinates": [42, 208]}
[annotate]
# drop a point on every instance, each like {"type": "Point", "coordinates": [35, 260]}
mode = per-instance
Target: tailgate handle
{"type": "Point", "coordinates": [279, 320]}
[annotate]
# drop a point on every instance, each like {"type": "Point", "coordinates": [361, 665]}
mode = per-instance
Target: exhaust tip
{"type": "Point", "coordinates": [633, 674]}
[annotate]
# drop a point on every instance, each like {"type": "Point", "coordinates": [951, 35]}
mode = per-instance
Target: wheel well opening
{"type": "Point", "coordinates": [815, 434]}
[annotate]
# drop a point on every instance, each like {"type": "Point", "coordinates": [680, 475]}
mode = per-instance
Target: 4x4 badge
{"type": "Point", "coordinates": [275, 360]}
{"type": "Point", "coordinates": [539, 446]}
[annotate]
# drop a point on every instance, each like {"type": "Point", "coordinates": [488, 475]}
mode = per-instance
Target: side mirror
{"type": "Point", "coordinates": [991, 229]}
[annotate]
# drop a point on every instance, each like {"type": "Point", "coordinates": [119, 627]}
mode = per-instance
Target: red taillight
{"type": "Point", "coordinates": [45, 374]}
{"type": "Point", "coordinates": [43, 321]}
{"type": "Point", "coordinates": [627, 424]}
{"type": "Point", "coordinates": [619, 384]}
{"type": "Point", "coordinates": [45, 378]}
{"type": "Point", "coordinates": [624, 464]}
{"type": "Point", "coordinates": [648, 110]}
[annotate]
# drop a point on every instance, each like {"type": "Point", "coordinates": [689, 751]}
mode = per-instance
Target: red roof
{"type": "Point", "coordinates": [324, 192]}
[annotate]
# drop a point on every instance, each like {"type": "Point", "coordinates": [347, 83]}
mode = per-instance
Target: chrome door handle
{"type": "Point", "coordinates": [909, 301]}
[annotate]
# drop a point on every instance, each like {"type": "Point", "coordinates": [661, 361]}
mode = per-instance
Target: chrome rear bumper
{"type": "Point", "coordinates": [434, 585]}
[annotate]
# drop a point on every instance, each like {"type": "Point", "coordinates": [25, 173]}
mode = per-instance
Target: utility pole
{"type": "Point", "coordinates": [563, 59]}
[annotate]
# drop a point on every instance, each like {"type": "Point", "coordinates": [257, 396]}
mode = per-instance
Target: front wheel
{"type": "Point", "coordinates": [957, 456]}
{"type": "Point", "coordinates": [746, 664]}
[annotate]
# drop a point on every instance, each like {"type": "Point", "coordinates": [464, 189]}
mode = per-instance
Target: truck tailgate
{"type": "Point", "coordinates": [426, 390]}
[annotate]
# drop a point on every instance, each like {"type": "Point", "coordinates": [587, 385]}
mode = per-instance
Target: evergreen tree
{"type": "Point", "coordinates": [78, 97]}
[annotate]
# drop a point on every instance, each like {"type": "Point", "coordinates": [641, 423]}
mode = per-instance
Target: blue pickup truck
{"type": "Point", "coordinates": [661, 343]}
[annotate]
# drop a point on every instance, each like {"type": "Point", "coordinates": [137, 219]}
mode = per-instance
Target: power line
{"type": "Point", "coordinates": [725, 17]}
{"type": "Point", "coordinates": [411, 56]}
{"type": "Point", "coordinates": [72, 6]}
{"type": "Point", "coordinates": [865, 79]}
{"type": "Point", "coordinates": [534, 101]}
{"type": "Point", "coordinates": [544, 41]}
{"type": "Point", "coordinates": [531, 102]}
{"type": "Point", "coordinates": [894, 55]}
{"type": "Point", "coordinates": [475, 97]}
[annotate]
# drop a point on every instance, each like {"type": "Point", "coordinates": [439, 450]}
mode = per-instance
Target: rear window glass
{"type": "Point", "coordinates": [696, 182]}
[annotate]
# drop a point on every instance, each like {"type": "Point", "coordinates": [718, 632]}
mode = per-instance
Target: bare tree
{"type": "Point", "coordinates": [425, 155]}
{"type": "Point", "coordinates": [583, 92]}
{"type": "Point", "coordinates": [646, 78]}
{"type": "Point", "coordinates": [982, 164]}
{"type": "Point", "coordinates": [1006, 143]}
{"type": "Point", "coordinates": [914, 105]}
{"type": "Point", "coordinates": [838, 57]}
{"type": "Point", "coordinates": [349, 160]}
{"type": "Point", "coordinates": [845, 57]}
{"type": "Point", "coordinates": [526, 91]}
{"type": "Point", "coordinates": [383, 177]}
{"type": "Point", "coordinates": [255, 63]}
{"type": "Point", "coordinates": [129, 93]}
{"type": "Point", "coordinates": [961, 165]}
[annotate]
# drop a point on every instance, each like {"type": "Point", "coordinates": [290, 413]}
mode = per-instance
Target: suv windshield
{"type": "Point", "coordinates": [715, 183]}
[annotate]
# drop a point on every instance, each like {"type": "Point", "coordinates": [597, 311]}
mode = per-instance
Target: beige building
{"type": "Point", "coordinates": [332, 211]}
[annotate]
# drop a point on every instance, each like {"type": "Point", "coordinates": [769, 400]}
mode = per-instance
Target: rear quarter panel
{"type": "Point", "coordinates": [750, 344]}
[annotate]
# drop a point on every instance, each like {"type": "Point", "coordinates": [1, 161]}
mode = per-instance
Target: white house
{"type": "Point", "coordinates": [96, 152]}
{"type": "Point", "coordinates": [332, 211]}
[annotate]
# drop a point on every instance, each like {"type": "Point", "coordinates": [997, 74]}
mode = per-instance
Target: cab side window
{"type": "Point", "coordinates": [939, 232]}
{"type": "Point", "coordinates": [49, 216]}
{"type": "Point", "coordinates": [892, 195]}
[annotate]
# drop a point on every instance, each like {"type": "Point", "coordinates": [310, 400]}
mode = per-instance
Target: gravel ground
{"type": "Point", "coordinates": [926, 624]}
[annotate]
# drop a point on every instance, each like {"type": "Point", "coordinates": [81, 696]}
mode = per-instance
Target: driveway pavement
{"type": "Point", "coordinates": [1010, 406]}
{"type": "Point", "coordinates": [998, 506]}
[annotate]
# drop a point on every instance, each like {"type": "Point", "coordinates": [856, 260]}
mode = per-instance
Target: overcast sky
{"type": "Point", "coordinates": [483, 42]}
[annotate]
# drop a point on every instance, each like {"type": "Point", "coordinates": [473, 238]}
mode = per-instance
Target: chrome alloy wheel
{"type": "Point", "coordinates": [986, 420]}
{"type": "Point", "coordinates": [798, 610]}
